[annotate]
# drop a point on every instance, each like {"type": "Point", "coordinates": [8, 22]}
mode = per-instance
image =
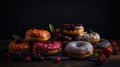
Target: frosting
{"type": "Point", "coordinates": [48, 45]}
{"type": "Point", "coordinates": [72, 27]}
{"type": "Point", "coordinates": [88, 37]}
{"type": "Point", "coordinates": [102, 44]}
{"type": "Point", "coordinates": [79, 47]}
{"type": "Point", "coordinates": [37, 33]}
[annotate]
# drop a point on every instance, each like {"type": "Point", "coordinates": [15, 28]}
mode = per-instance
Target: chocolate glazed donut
{"type": "Point", "coordinates": [98, 47]}
{"type": "Point", "coordinates": [73, 29]}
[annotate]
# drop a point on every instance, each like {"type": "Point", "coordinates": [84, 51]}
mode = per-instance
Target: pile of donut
{"type": "Point", "coordinates": [70, 38]}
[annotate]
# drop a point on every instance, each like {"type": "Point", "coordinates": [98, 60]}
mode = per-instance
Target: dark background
{"type": "Point", "coordinates": [21, 15]}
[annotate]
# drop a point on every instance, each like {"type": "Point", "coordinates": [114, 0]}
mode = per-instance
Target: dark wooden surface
{"type": "Point", "coordinates": [113, 61]}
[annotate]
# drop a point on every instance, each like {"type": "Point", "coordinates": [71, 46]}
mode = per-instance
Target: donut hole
{"type": "Point", "coordinates": [78, 45]}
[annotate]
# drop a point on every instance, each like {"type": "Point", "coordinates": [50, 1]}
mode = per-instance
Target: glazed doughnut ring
{"type": "Point", "coordinates": [35, 35]}
{"type": "Point", "coordinates": [102, 44]}
{"type": "Point", "coordinates": [72, 29]}
{"type": "Point", "coordinates": [48, 47]}
{"type": "Point", "coordinates": [79, 49]}
{"type": "Point", "coordinates": [98, 47]}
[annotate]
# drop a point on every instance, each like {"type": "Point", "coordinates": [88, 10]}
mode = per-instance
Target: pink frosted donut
{"type": "Point", "coordinates": [79, 49]}
{"type": "Point", "coordinates": [48, 47]}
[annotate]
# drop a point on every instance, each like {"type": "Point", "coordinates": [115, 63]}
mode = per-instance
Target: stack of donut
{"type": "Point", "coordinates": [79, 44]}
{"type": "Point", "coordinates": [41, 43]}
{"type": "Point", "coordinates": [69, 32]}
{"type": "Point", "coordinates": [83, 44]}
{"type": "Point", "coordinates": [77, 48]}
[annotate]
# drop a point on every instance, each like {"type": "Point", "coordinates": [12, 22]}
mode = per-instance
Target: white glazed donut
{"type": "Point", "coordinates": [79, 49]}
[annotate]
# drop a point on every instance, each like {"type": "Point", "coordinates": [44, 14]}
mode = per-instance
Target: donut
{"type": "Point", "coordinates": [104, 43]}
{"type": "Point", "coordinates": [37, 35]}
{"type": "Point", "coordinates": [79, 49]}
{"type": "Point", "coordinates": [92, 37]}
{"type": "Point", "coordinates": [15, 47]}
{"type": "Point", "coordinates": [64, 39]}
{"type": "Point", "coordinates": [73, 29]}
{"type": "Point", "coordinates": [48, 47]}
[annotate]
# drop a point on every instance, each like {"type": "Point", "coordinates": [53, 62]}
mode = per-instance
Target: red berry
{"type": "Point", "coordinates": [108, 52]}
{"type": "Point", "coordinates": [103, 55]}
{"type": "Point", "coordinates": [100, 60]}
{"type": "Point", "coordinates": [27, 59]}
{"type": "Point", "coordinates": [56, 30]}
{"type": "Point", "coordinates": [115, 50]}
{"type": "Point", "coordinates": [6, 55]}
{"type": "Point", "coordinates": [114, 43]}
{"type": "Point", "coordinates": [58, 59]}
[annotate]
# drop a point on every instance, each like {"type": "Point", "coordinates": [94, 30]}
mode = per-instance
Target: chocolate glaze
{"type": "Point", "coordinates": [72, 26]}
{"type": "Point", "coordinates": [102, 44]}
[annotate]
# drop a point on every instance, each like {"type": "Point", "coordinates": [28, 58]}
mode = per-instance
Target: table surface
{"type": "Point", "coordinates": [112, 61]}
